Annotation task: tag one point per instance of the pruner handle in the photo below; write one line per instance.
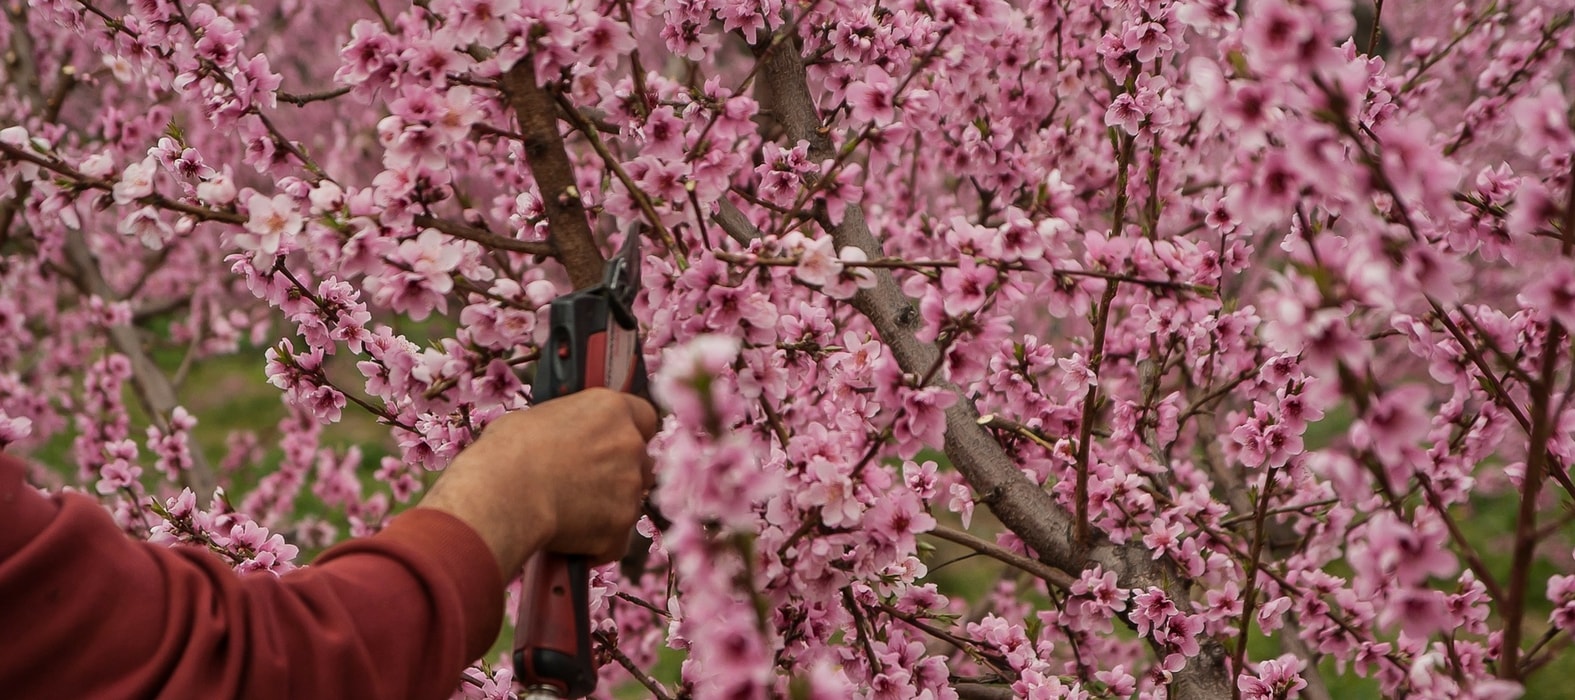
(552, 641)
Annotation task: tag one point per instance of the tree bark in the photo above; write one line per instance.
(154, 390)
(569, 229)
(1020, 504)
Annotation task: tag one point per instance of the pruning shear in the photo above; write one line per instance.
(594, 341)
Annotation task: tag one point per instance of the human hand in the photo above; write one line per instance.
(567, 476)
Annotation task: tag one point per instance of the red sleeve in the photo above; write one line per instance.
(87, 612)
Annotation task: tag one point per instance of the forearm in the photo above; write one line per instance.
(512, 528)
(87, 612)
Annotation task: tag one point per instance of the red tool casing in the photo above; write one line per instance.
(593, 342)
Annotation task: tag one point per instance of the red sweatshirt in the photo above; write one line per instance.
(86, 612)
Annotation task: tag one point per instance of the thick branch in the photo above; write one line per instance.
(1019, 503)
(570, 231)
(983, 691)
(19, 60)
(735, 223)
(154, 390)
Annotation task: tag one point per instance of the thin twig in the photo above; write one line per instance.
(966, 646)
(1249, 597)
(1473, 560)
(1378, 27)
(930, 263)
(641, 199)
(485, 237)
(1050, 574)
(302, 100)
(657, 689)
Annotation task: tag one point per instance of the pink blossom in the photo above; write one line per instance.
(180, 161)
(1270, 614)
(148, 226)
(923, 419)
(220, 40)
(15, 136)
(1146, 40)
(1553, 293)
(1276, 34)
(368, 56)
(1104, 596)
(921, 478)
(1124, 112)
(219, 190)
(1118, 680)
(840, 189)
(897, 518)
(1076, 374)
(1151, 609)
(873, 99)
(832, 492)
(1407, 554)
(136, 181)
(818, 264)
(497, 686)
(1542, 118)
(664, 133)
(482, 20)
(98, 165)
(326, 197)
(1274, 679)
(608, 40)
(424, 278)
(684, 371)
(961, 502)
(1561, 591)
(1394, 423)
(1162, 537)
(117, 474)
(14, 429)
(852, 277)
(1419, 613)
(272, 224)
(326, 403)
(966, 287)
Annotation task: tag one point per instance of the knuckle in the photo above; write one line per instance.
(630, 439)
(601, 397)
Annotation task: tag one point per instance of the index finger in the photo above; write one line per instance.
(644, 415)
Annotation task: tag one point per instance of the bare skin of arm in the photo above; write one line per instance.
(88, 612)
(566, 476)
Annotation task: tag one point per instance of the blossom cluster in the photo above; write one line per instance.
(1233, 318)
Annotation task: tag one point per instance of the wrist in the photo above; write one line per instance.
(512, 528)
